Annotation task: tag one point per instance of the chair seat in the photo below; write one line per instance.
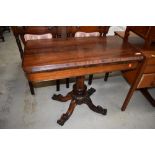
(84, 34)
(37, 37)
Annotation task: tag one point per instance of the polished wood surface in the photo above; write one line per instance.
(72, 30)
(146, 73)
(80, 71)
(77, 57)
(58, 54)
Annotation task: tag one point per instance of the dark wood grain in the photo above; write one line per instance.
(80, 71)
(72, 30)
(58, 54)
(76, 57)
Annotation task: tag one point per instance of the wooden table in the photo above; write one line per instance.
(76, 57)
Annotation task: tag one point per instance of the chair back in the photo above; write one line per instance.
(25, 33)
(86, 31)
(37, 32)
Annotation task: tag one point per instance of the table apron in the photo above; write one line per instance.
(74, 72)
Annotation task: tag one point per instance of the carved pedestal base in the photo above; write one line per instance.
(79, 95)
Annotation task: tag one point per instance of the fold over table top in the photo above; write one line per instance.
(58, 54)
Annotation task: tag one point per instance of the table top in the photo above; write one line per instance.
(60, 54)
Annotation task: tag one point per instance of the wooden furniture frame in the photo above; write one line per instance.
(103, 30)
(77, 57)
(143, 77)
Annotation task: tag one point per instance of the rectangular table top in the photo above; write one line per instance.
(59, 54)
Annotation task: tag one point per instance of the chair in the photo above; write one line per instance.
(26, 33)
(87, 31)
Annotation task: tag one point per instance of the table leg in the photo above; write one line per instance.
(69, 112)
(62, 98)
(94, 108)
(79, 95)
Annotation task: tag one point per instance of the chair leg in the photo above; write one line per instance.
(58, 85)
(90, 79)
(106, 76)
(31, 88)
(19, 47)
(67, 82)
(148, 96)
(3, 39)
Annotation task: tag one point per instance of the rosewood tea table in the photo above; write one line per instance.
(76, 57)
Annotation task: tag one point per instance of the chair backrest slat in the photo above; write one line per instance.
(71, 30)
